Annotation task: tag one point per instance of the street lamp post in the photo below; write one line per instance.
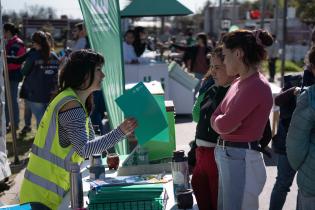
(284, 38)
(220, 11)
(276, 16)
(8, 91)
(262, 14)
(234, 12)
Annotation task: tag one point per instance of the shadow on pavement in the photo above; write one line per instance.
(183, 118)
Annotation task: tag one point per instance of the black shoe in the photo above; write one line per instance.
(8, 129)
(25, 130)
(6, 184)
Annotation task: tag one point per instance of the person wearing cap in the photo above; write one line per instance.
(79, 37)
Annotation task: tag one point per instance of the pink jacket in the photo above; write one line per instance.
(244, 112)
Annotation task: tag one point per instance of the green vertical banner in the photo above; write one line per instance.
(102, 21)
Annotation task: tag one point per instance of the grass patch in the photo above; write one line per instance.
(289, 66)
(23, 144)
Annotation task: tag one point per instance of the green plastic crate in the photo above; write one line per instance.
(163, 149)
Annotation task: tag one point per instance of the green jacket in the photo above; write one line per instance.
(301, 141)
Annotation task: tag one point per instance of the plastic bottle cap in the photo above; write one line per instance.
(74, 167)
(178, 155)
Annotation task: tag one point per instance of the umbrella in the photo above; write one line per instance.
(233, 28)
(145, 8)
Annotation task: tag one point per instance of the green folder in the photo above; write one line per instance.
(139, 103)
(162, 136)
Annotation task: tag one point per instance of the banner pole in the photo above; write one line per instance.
(8, 92)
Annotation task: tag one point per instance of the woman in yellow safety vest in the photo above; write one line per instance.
(65, 134)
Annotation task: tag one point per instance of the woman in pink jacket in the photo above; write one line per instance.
(240, 120)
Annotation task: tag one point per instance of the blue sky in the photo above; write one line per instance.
(71, 7)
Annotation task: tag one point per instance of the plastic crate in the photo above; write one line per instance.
(182, 77)
(154, 204)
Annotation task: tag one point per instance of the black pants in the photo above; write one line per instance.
(272, 67)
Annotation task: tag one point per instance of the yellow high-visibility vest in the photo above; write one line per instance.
(47, 176)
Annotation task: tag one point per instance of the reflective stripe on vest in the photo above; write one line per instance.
(48, 185)
(62, 163)
(44, 186)
(45, 153)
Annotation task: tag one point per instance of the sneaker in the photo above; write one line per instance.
(6, 184)
(25, 130)
(8, 129)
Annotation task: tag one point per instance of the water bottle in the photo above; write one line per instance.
(76, 188)
(180, 172)
(97, 169)
(143, 156)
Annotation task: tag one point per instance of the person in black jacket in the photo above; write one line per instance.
(141, 42)
(205, 173)
(195, 57)
(41, 74)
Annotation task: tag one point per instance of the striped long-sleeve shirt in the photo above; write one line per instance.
(72, 131)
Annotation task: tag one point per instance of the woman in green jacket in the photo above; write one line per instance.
(301, 143)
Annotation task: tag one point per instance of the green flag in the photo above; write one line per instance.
(102, 21)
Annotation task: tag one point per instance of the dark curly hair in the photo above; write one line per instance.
(78, 67)
(252, 43)
(203, 38)
(311, 56)
(40, 38)
(218, 52)
(10, 27)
